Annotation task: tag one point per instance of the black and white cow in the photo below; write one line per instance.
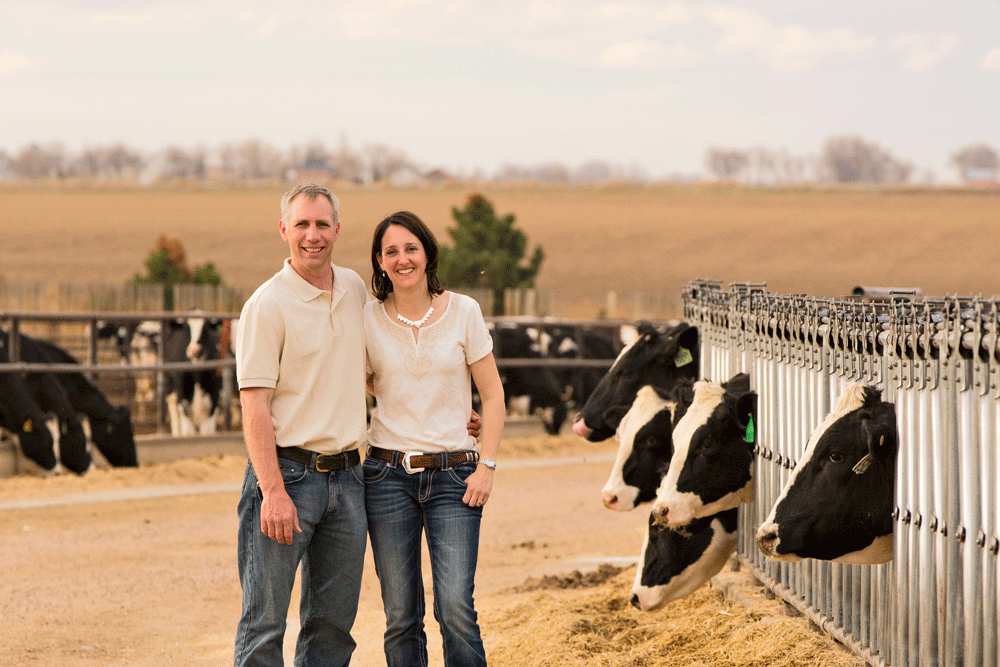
(654, 357)
(110, 426)
(538, 384)
(21, 416)
(51, 398)
(711, 469)
(837, 503)
(645, 445)
(192, 396)
(572, 342)
(673, 565)
(137, 344)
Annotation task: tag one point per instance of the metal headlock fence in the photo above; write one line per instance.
(936, 602)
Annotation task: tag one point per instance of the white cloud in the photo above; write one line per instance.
(644, 54)
(923, 50)
(789, 49)
(12, 63)
(992, 60)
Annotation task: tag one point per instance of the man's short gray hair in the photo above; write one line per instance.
(312, 192)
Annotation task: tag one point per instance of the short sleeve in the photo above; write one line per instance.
(259, 341)
(478, 342)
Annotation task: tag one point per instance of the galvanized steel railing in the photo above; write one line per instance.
(936, 603)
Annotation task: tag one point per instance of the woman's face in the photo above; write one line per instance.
(403, 258)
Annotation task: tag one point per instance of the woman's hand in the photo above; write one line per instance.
(480, 484)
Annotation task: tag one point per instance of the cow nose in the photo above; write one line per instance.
(766, 540)
(661, 515)
(581, 429)
(610, 501)
(636, 603)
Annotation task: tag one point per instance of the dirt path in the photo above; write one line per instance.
(115, 579)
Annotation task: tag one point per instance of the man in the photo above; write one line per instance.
(301, 369)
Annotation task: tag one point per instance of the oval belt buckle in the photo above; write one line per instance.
(406, 464)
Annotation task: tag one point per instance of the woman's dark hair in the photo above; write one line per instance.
(381, 285)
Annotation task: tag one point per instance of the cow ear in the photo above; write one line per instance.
(613, 416)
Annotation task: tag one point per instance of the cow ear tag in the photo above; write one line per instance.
(683, 357)
(27, 426)
(861, 466)
(750, 432)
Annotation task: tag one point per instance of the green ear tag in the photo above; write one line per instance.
(683, 357)
(750, 433)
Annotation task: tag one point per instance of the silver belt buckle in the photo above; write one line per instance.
(406, 464)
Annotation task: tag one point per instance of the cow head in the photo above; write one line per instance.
(36, 442)
(837, 503)
(114, 437)
(711, 469)
(203, 338)
(673, 565)
(644, 433)
(655, 357)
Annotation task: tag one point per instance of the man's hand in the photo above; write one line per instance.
(278, 517)
(475, 425)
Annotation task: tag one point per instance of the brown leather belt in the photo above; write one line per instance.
(412, 462)
(321, 462)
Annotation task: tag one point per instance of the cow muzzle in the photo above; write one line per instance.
(581, 429)
(665, 517)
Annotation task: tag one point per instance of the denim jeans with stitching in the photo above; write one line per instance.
(331, 549)
(400, 507)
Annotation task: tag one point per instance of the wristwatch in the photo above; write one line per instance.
(489, 463)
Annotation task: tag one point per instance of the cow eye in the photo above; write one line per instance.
(836, 457)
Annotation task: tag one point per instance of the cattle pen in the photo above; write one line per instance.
(936, 602)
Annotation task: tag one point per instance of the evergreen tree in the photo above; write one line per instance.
(488, 252)
(167, 266)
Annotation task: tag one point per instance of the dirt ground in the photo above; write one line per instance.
(138, 567)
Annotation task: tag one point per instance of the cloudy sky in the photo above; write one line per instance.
(467, 84)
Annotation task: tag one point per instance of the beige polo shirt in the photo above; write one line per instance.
(309, 346)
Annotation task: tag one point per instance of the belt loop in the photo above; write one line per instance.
(444, 460)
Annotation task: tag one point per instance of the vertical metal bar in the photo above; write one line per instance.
(955, 380)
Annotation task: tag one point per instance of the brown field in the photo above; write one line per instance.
(110, 579)
(625, 239)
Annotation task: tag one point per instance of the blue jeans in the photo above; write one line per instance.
(331, 548)
(400, 507)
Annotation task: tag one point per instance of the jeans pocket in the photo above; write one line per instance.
(291, 472)
(358, 473)
(374, 470)
(461, 472)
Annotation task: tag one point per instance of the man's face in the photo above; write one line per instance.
(310, 231)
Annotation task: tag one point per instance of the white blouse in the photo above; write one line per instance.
(423, 388)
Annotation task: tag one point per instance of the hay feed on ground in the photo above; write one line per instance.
(570, 626)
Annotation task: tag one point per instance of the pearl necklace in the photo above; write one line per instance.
(419, 323)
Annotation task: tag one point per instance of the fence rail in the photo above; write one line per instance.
(936, 602)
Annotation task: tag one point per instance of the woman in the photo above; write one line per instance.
(424, 472)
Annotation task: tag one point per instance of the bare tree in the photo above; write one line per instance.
(851, 159)
(552, 172)
(383, 161)
(253, 159)
(349, 165)
(120, 161)
(976, 162)
(726, 165)
(36, 162)
(593, 172)
(180, 163)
